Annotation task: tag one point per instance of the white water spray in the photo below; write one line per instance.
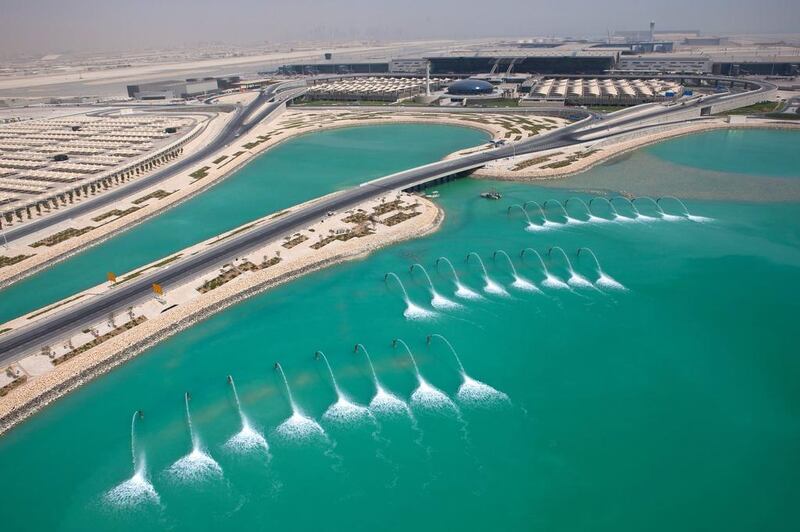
(568, 219)
(461, 290)
(197, 465)
(686, 213)
(575, 279)
(615, 215)
(490, 287)
(530, 225)
(637, 216)
(426, 396)
(519, 282)
(413, 311)
(298, 426)
(550, 280)
(591, 218)
(137, 489)
(603, 279)
(384, 402)
(437, 300)
(546, 224)
(247, 439)
(472, 392)
(343, 410)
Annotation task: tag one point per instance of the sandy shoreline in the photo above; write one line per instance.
(26, 400)
(608, 152)
(46, 257)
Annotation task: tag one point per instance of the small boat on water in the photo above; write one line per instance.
(493, 195)
(432, 194)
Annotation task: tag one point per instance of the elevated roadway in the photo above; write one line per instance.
(31, 337)
(244, 120)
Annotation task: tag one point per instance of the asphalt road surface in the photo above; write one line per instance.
(46, 330)
(229, 133)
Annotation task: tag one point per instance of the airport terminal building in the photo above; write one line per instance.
(175, 89)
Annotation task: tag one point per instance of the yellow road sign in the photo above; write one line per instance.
(157, 289)
(112, 277)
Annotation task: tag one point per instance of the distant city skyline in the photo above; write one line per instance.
(47, 26)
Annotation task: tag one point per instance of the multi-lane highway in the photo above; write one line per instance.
(244, 119)
(44, 331)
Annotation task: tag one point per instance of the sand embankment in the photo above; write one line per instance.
(585, 156)
(25, 400)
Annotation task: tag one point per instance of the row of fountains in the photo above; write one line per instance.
(574, 280)
(629, 211)
(198, 464)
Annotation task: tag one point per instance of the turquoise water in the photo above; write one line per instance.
(293, 172)
(734, 151)
(671, 405)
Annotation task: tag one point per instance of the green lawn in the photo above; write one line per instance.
(756, 108)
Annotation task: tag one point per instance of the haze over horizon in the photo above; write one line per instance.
(47, 26)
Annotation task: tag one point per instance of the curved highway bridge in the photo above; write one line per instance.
(43, 331)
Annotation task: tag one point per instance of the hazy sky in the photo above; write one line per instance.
(40, 26)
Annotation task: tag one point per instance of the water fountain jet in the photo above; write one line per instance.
(343, 410)
(461, 290)
(426, 396)
(550, 280)
(490, 286)
(546, 224)
(413, 311)
(603, 279)
(615, 215)
(197, 465)
(591, 217)
(636, 214)
(471, 391)
(383, 402)
(247, 439)
(531, 226)
(519, 282)
(138, 488)
(575, 279)
(645, 217)
(437, 300)
(298, 426)
(686, 213)
(569, 219)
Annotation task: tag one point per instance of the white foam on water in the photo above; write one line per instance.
(620, 218)
(605, 281)
(579, 280)
(299, 427)
(465, 293)
(344, 411)
(477, 393)
(551, 281)
(247, 440)
(597, 219)
(195, 467)
(671, 217)
(533, 228)
(440, 302)
(698, 219)
(524, 284)
(415, 312)
(575, 221)
(428, 397)
(492, 287)
(388, 404)
(646, 219)
(134, 491)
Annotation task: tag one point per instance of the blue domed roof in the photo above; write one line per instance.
(470, 87)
